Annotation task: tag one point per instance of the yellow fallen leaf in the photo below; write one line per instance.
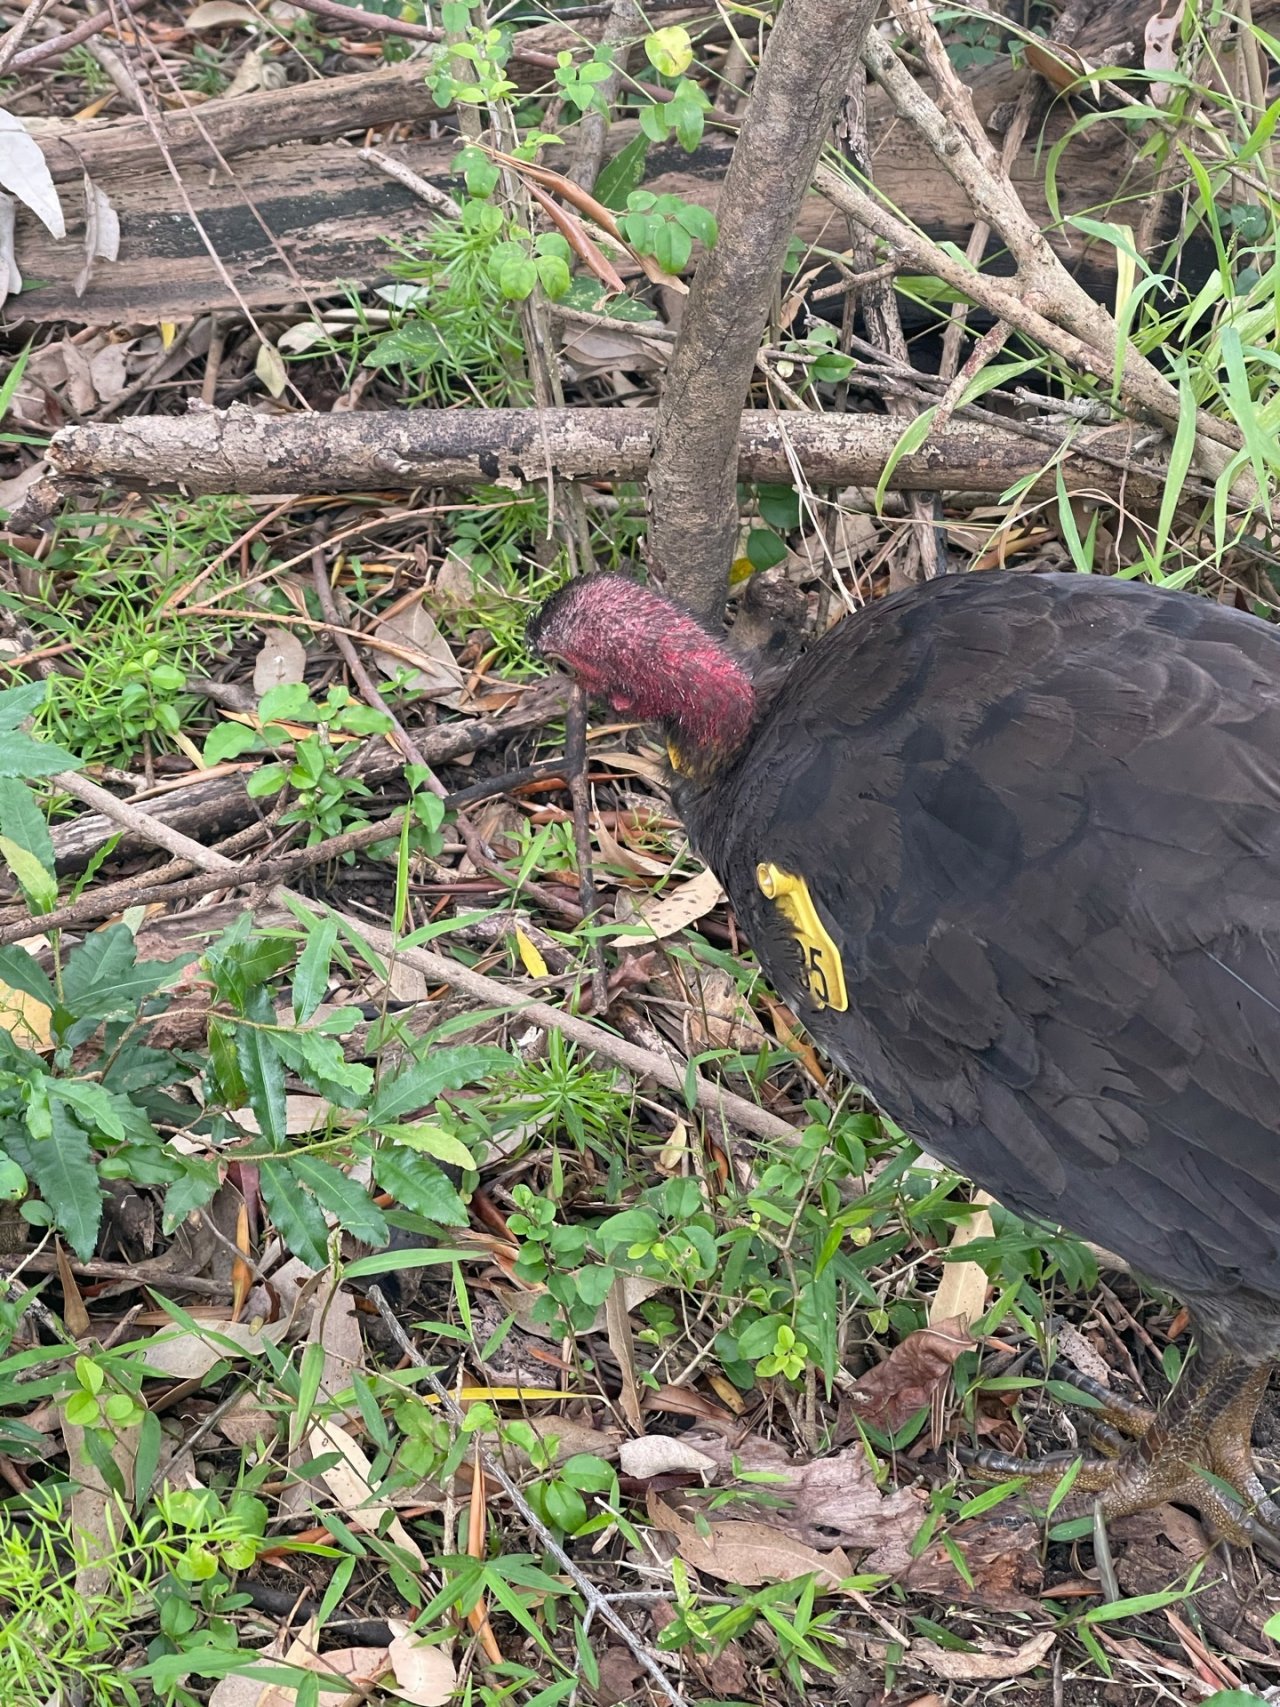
(530, 958)
(25, 1018)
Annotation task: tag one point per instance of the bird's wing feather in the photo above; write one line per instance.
(1040, 816)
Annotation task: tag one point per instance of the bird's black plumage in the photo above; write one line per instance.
(1039, 816)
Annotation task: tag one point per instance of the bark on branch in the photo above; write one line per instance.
(692, 497)
(237, 450)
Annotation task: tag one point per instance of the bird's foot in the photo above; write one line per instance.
(1194, 1451)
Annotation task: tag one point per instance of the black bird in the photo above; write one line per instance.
(1009, 844)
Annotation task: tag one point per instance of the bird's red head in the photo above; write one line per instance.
(649, 659)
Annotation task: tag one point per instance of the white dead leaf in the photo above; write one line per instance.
(282, 661)
(348, 1482)
(109, 371)
(962, 1290)
(101, 232)
(10, 277)
(659, 1454)
(425, 1672)
(188, 1355)
(434, 672)
(1160, 50)
(216, 14)
(270, 369)
(296, 339)
(989, 1665)
(24, 173)
(682, 906)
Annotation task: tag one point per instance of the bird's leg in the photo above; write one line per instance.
(1200, 1438)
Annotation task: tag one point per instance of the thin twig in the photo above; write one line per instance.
(598, 1605)
(13, 39)
(645, 1063)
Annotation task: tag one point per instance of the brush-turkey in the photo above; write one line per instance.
(1009, 844)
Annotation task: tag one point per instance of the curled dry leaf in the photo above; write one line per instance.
(989, 1665)
(101, 232)
(1001, 1554)
(962, 1289)
(826, 1500)
(24, 173)
(890, 1394)
(10, 277)
(216, 14)
(661, 1455)
(270, 369)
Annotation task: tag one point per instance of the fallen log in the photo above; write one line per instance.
(237, 450)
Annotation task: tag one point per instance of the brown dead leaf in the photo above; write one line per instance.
(620, 1673)
(1002, 1554)
(747, 1553)
(434, 672)
(661, 1455)
(989, 1665)
(890, 1394)
(833, 1500)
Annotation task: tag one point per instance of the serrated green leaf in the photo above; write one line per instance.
(419, 1085)
(295, 1214)
(419, 1184)
(196, 1187)
(343, 1198)
(63, 1168)
(320, 1061)
(311, 979)
(96, 1107)
(262, 1067)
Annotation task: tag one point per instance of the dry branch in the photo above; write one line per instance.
(236, 450)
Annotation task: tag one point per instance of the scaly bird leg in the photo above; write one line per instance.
(1204, 1429)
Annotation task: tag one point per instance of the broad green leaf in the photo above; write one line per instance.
(294, 1213)
(228, 741)
(22, 756)
(343, 1198)
(20, 971)
(196, 1187)
(311, 979)
(669, 50)
(622, 174)
(19, 703)
(419, 1085)
(419, 1185)
(38, 885)
(104, 975)
(63, 1167)
(22, 821)
(432, 1141)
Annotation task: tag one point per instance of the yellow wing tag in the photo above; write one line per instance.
(821, 959)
